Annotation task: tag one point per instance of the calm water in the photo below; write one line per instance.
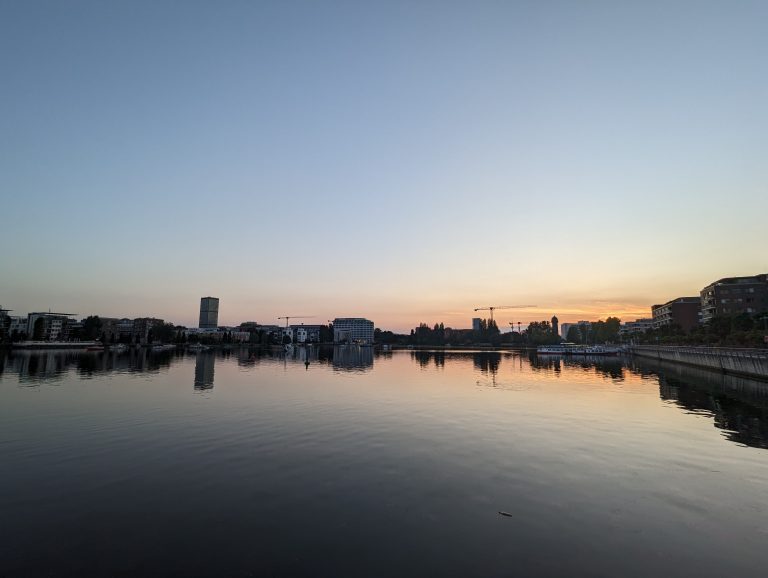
(355, 464)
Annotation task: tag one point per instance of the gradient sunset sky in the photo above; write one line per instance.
(402, 161)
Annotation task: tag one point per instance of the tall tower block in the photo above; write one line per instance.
(209, 313)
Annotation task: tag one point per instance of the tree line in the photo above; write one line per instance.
(741, 330)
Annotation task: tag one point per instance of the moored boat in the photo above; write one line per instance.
(551, 350)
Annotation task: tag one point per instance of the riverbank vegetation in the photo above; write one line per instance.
(743, 330)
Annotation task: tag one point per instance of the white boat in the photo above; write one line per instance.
(166, 347)
(596, 350)
(551, 350)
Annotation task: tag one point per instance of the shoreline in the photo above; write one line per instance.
(752, 362)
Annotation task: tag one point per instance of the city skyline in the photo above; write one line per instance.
(529, 313)
(404, 163)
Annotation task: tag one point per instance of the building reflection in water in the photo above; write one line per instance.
(340, 357)
(352, 357)
(38, 366)
(606, 366)
(205, 363)
(738, 405)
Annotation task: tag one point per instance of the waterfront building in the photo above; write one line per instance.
(734, 295)
(142, 326)
(683, 311)
(125, 329)
(18, 325)
(271, 329)
(117, 330)
(555, 328)
(305, 333)
(352, 330)
(475, 324)
(5, 323)
(42, 326)
(109, 328)
(218, 334)
(253, 327)
(636, 326)
(209, 313)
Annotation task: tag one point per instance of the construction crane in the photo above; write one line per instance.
(492, 308)
(289, 317)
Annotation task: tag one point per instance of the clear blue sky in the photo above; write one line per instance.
(402, 161)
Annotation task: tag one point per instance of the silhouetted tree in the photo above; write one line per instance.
(38, 329)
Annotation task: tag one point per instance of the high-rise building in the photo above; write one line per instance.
(209, 313)
(555, 327)
(734, 295)
(352, 330)
(475, 324)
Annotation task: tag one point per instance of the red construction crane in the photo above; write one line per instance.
(491, 308)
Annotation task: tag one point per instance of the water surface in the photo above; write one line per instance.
(349, 463)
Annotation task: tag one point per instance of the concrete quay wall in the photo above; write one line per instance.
(747, 362)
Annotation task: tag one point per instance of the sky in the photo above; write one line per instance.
(401, 161)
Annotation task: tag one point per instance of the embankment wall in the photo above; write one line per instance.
(747, 362)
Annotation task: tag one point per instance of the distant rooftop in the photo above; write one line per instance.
(52, 313)
(745, 279)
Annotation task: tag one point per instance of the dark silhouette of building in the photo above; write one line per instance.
(683, 311)
(555, 325)
(209, 313)
(734, 295)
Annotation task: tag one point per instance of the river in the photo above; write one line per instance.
(347, 462)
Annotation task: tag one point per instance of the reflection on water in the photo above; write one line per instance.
(204, 369)
(352, 358)
(612, 367)
(51, 365)
(738, 406)
(346, 462)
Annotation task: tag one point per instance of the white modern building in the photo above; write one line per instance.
(48, 326)
(353, 330)
(305, 333)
